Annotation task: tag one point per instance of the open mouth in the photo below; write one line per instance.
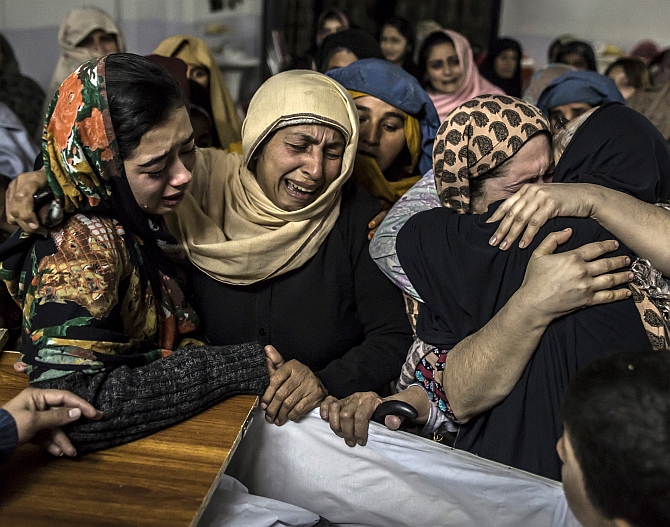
(297, 191)
(173, 200)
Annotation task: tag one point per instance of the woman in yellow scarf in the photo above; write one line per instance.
(398, 125)
(203, 69)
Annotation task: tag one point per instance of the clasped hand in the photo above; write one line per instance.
(349, 418)
(294, 389)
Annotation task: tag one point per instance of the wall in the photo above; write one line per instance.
(620, 22)
(31, 26)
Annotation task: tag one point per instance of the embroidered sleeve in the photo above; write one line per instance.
(428, 371)
(82, 306)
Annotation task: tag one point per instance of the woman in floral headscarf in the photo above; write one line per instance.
(103, 309)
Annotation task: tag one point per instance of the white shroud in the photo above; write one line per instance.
(397, 479)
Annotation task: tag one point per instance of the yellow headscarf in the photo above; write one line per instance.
(368, 175)
(228, 226)
(195, 52)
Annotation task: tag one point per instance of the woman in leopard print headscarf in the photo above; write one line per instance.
(485, 150)
(475, 139)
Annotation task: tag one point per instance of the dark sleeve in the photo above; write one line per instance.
(378, 359)
(137, 402)
(9, 435)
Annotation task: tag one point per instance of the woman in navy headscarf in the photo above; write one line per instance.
(398, 123)
(575, 93)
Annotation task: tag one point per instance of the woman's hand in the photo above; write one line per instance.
(376, 222)
(19, 204)
(349, 418)
(36, 410)
(557, 284)
(534, 205)
(294, 389)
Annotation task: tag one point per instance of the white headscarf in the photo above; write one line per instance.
(74, 28)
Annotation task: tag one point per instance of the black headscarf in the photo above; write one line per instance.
(619, 148)
(581, 48)
(464, 282)
(509, 86)
(359, 42)
(21, 94)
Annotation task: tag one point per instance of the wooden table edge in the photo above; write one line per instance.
(224, 466)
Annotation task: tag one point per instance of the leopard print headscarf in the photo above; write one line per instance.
(476, 137)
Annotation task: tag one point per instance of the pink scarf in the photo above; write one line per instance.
(473, 83)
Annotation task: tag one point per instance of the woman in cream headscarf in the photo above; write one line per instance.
(202, 68)
(278, 236)
(85, 33)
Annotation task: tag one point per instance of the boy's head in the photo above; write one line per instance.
(616, 444)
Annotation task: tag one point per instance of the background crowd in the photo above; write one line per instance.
(348, 241)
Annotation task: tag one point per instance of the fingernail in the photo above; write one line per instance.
(361, 442)
(369, 236)
(371, 225)
(628, 293)
(33, 226)
(277, 422)
(631, 277)
(268, 419)
(616, 243)
(567, 229)
(324, 415)
(503, 245)
(627, 260)
(74, 413)
(522, 244)
(351, 443)
(264, 406)
(493, 240)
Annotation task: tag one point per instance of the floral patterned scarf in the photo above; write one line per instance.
(86, 174)
(85, 170)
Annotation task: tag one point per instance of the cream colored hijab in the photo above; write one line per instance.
(227, 225)
(74, 28)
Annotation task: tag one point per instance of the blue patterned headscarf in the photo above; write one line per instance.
(579, 86)
(394, 86)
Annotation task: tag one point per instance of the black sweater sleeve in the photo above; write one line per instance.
(378, 359)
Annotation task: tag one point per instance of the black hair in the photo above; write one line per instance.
(405, 29)
(617, 415)
(581, 48)
(141, 94)
(359, 42)
(635, 70)
(431, 40)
